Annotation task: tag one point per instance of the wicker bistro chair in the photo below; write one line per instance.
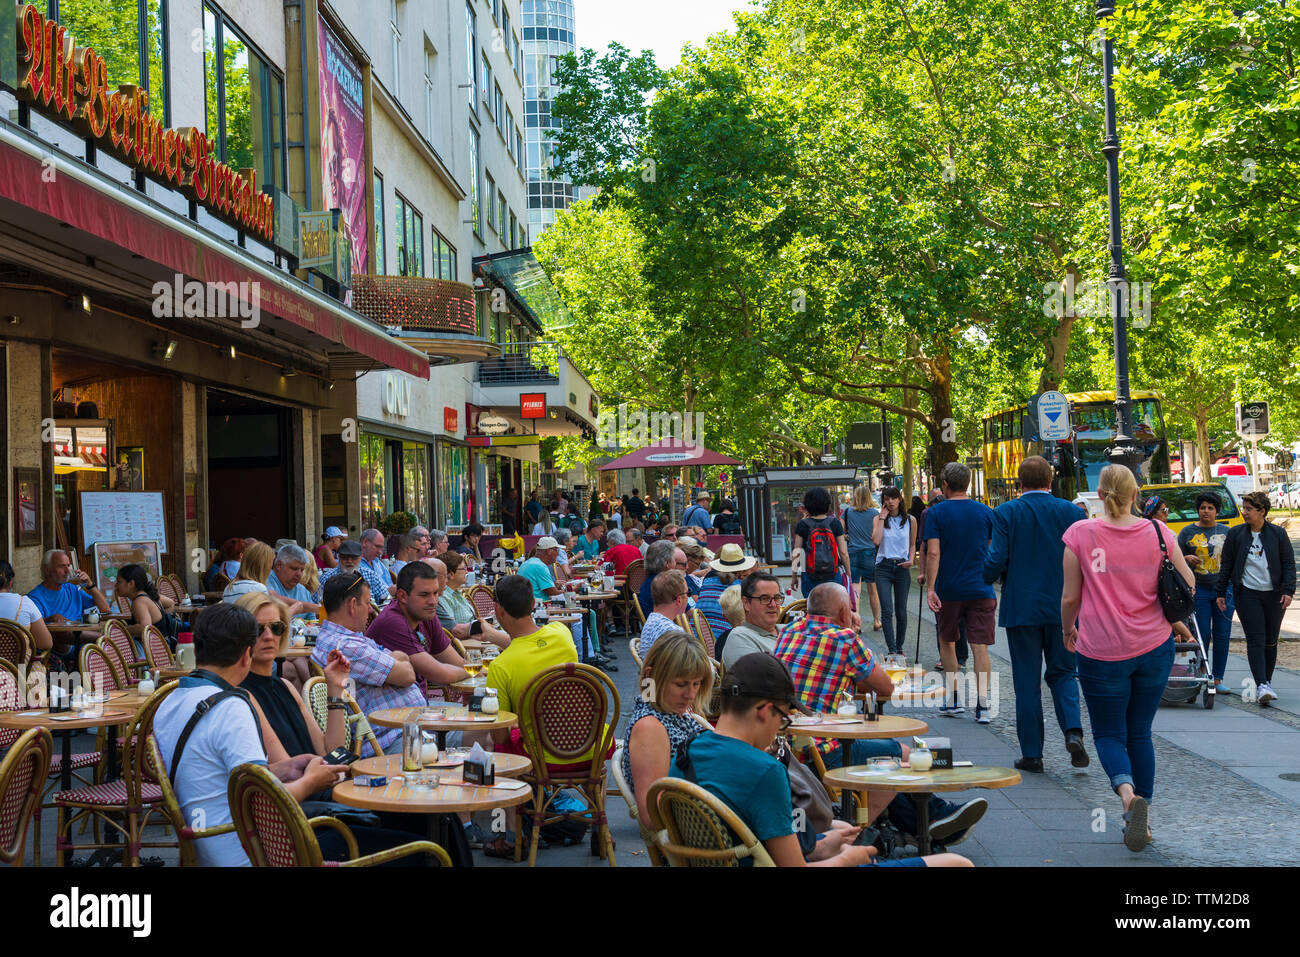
(702, 630)
(792, 609)
(634, 578)
(276, 833)
(481, 597)
(133, 798)
(16, 644)
(633, 645)
(122, 604)
(23, 771)
(171, 806)
(565, 714)
(629, 797)
(695, 829)
(316, 694)
(122, 653)
(167, 588)
(714, 708)
(156, 651)
(640, 613)
(181, 591)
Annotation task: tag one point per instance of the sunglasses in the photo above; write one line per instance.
(277, 628)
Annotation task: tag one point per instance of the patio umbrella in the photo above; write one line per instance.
(668, 452)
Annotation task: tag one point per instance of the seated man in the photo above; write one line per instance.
(372, 557)
(537, 571)
(669, 590)
(384, 679)
(285, 579)
(64, 595)
(587, 545)
(732, 763)
(408, 550)
(760, 593)
(827, 659)
(471, 535)
(350, 560)
(410, 625)
(619, 551)
(659, 557)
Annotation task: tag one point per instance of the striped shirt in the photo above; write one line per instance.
(825, 660)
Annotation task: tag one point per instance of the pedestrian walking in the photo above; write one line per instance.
(957, 534)
(893, 532)
(1121, 638)
(820, 547)
(963, 647)
(1202, 545)
(859, 525)
(1259, 564)
(1026, 554)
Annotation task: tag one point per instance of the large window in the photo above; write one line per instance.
(379, 224)
(490, 195)
(475, 204)
(245, 102)
(408, 226)
(444, 257)
(113, 30)
(498, 108)
(394, 478)
(453, 484)
(487, 83)
(394, 28)
(471, 49)
(430, 114)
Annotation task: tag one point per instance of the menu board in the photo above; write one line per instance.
(122, 517)
(111, 556)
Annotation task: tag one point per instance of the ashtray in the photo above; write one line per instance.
(806, 721)
(421, 780)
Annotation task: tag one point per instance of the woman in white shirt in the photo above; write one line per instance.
(20, 608)
(893, 532)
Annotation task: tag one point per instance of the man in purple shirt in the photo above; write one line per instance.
(410, 625)
(383, 679)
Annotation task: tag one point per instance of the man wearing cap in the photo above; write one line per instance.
(350, 561)
(730, 566)
(537, 571)
(698, 514)
(327, 552)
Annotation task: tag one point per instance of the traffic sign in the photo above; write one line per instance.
(1252, 419)
(1053, 417)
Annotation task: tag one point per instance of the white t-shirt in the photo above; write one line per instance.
(224, 739)
(19, 608)
(1255, 575)
(655, 626)
(244, 586)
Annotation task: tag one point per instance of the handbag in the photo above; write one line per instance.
(1177, 600)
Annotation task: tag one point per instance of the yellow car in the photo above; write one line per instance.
(1181, 499)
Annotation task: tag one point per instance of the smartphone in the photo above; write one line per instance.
(476, 628)
(341, 755)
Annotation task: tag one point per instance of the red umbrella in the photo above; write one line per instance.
(668, 452)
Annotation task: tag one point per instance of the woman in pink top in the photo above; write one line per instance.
(1122, 642)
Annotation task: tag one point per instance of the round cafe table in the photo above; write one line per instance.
(440, 805)
(846, 732)
(924, 787)
(507, 765)
(301, 651)
(431, 721)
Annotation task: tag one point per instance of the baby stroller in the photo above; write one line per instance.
(1190, 676)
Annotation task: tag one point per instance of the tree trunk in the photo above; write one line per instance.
(909, 426)
(1201, 417)
(1057, 345)
(943, 430)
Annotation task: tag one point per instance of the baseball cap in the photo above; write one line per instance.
(335, 532)
(761, 675)
(546, 542)
(349, 549)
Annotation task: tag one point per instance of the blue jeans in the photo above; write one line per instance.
(863, 563)
(892, 585)
(1215, 626)
(1030, 646)
(864, 751)
(1123, 697)
(807, 583)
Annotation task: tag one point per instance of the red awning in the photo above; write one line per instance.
(668, 452)
(95, 211)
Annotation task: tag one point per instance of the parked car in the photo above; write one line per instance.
(1181, 499)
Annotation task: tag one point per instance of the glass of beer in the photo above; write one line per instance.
(895, 667)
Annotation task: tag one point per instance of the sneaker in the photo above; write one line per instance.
(1266, 694)
(982, 715)
(954, 827)
(476, 836)
(1221, 687)
(952, 710)
(503, 848)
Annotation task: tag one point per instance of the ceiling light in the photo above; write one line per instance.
(233, 354)
(290, 372)
(85, 303)
(165, 350)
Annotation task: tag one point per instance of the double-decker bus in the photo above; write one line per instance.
(1009, 436)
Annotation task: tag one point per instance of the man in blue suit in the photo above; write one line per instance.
(1026, 554)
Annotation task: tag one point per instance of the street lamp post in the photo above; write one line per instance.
(1124, 451)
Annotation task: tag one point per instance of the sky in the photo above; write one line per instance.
(659, 25)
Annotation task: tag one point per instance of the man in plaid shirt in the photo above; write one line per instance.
(827, 657)
(384, 679)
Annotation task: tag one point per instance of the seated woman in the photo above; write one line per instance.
(254, 569)
(227, 563)
(147, 607)
(15, 606)
(327, 552)
(288, 727)
(456, 613)
(679, 679)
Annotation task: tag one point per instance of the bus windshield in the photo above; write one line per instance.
(1094, 430)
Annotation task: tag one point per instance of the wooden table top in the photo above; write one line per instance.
(213, 595)
(860, 778)
(565, 618)
(444, 799)
(595, 595)
(170, 674)
(30, 718)
(68, 627)
(300, 652)
(187, 609)
(887, 726)
(396, 717)
(507, 765)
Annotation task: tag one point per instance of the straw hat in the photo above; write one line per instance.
(732, 559)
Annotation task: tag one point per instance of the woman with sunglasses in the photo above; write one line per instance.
(288, 727)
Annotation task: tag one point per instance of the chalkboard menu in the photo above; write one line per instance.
(123, 517)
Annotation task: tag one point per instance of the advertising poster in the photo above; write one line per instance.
(343, 142)
(112, 556)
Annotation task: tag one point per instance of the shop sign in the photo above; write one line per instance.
(397, 395)
(72, 82)
(493, 424)
(532, 405)
(325, 246)
(450, 421)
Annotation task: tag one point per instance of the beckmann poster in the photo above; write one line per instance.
(343, 142)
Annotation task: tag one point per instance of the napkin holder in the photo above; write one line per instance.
(476, 699)
(940, 751)
(478, 772)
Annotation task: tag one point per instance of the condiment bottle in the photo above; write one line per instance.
(146, 686)
(491, 705)
(412, 745)
(185, 651)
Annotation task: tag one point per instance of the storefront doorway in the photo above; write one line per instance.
(250, 468)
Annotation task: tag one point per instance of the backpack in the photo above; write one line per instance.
(822, 551)
(725, 524)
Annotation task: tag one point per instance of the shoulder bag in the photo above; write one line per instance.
(1177, 600)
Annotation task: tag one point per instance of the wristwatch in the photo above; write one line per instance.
(337, 704)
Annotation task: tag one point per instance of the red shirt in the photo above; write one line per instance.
(391, 630)
(622, 556)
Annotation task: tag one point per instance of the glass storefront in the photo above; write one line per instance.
(453, 485)
(394, 478)
(113, 31)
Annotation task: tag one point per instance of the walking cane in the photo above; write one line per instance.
(920, 606)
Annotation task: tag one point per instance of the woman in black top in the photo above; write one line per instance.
(817, 503)
(1259, 562)
(288, 726)
(147, 608)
